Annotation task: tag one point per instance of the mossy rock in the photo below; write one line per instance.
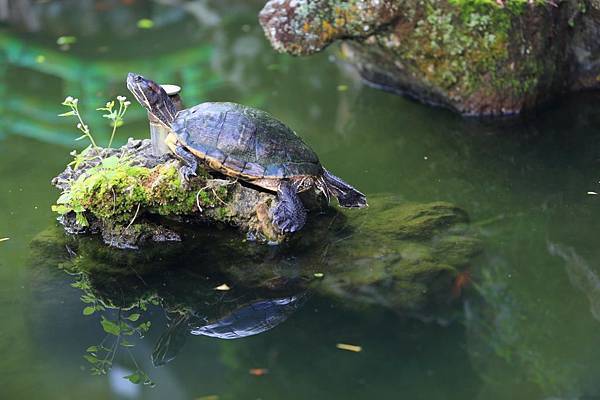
(131, 197)
(352, 258)
(475, 57)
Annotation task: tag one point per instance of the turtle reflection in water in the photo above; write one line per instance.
(245, 143)
(251, 319)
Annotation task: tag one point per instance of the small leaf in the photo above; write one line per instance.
(78, 208)
(61, 209)
(223, 287)
(145, 23)
(87, 298)
(92, 349)
(81, 219)
(88, 310)
(318, 275)
(133, 317)
(342, 88)
(4, 239)
(125, 343)
(64, 198)
(81, 137)
(67, 114)
(134, 378)
(110, 327)
(110, 162)
(349, 347)
(91, 359)
(258, 371)
(66, 40)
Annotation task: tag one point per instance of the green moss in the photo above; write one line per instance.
(116, 190)
(456, 45)
(415, 220)
(469, 47)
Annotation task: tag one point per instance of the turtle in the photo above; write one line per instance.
(245, 143)
(248, 319)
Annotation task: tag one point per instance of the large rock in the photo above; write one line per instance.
(131, 197)
(402, 256)
(476, 58)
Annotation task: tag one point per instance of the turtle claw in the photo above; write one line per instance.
(188, 169)
(289, 214)
(186, 173)
(283, 225)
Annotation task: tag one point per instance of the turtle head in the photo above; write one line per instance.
(152, 97)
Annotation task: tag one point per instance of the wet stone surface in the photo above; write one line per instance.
(131, 197)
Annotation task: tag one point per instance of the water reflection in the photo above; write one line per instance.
(402, 256)
(249, 319)
(581, 274)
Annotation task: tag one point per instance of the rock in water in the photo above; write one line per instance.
(401, 256)
(131, 196)
(477, 58)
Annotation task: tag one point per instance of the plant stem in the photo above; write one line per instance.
(115, 123)
(84, 129)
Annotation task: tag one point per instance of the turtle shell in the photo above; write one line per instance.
(252, 319)
(244, 141)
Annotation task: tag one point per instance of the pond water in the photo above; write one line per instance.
(527, 326)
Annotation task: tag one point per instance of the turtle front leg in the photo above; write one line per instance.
(289, 214)
(190, 164)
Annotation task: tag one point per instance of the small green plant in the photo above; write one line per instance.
(72, 103)
(115, 115)
(102, 182)
(126, 325)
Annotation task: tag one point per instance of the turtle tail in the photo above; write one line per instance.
(346, 195)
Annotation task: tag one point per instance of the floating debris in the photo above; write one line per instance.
(65, 42)
(145, 23)
(211, 397)
(258, 371)
(593, 193)
(462, 280)
(223, 287)
(349, 347)
(318, 275)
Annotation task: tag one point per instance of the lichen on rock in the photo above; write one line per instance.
(475, 57)
(306, 27)
(131, 196)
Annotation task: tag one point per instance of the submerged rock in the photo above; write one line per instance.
(131, 197)
(477, 58)
(402, 256)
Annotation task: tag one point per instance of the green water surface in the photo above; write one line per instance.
(527, 328)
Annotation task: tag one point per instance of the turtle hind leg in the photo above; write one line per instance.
(289, 214)
(347, 196)
(190, 164)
